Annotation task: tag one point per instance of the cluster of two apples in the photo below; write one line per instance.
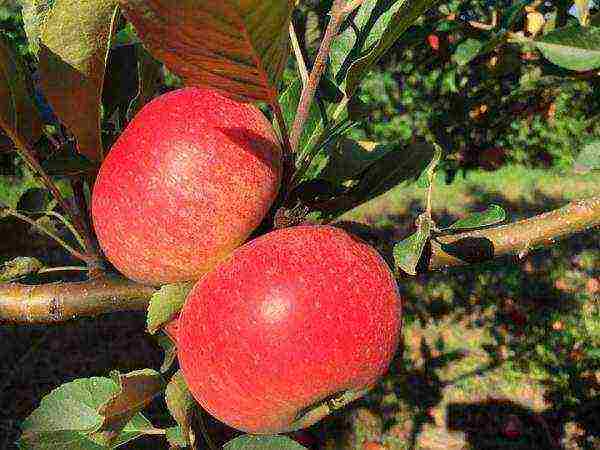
(274, 328)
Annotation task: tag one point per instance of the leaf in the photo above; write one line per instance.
(175, 437)
(120, 82)
(181, 404)
(428, 174)
(67, 163)
(165, 304)
(572, 47)
(73, 55)
(169, 352)
(149, 73)
(68, 413)
(492, 215)
(249, 442)
(288, 101)
(136, 390)
(467, 51)
(368, 34)
(19, 117)
(239, 48)
(58, 440)
(19, 267)
(35, 200)
(34, 14)
(135, 428)
(348, 158)
(589, 157)
(408, 252)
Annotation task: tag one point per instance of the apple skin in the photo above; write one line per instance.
(188, 180)
(288, 320)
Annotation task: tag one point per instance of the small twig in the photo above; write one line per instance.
(90, 256)
(63, 269)
(302, 70)
(50, 234)
(308, 93)
(60, 302)
(538, 231)
(67, 224)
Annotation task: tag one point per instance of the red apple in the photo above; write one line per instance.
(189, 179)
(271, 338)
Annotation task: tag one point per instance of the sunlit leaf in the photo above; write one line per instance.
(165, 304)
(368, 34)
(238, 47)
(572, 47)
(34, 13)
(181, 404)
(589, 157)
(248, 442)
(73, 55)
(467, 51)
(19, 267)
(169, 352)
(408, 252)
(492, 215)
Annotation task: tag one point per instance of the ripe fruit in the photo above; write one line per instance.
(187, 182)
(270, 338)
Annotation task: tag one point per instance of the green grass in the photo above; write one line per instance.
(488, 343)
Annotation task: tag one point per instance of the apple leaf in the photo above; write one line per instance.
(239, 48)
(169, 352)
(572, 47)
(368, 34)
(19, 267)
(67, 163)
(136, 390)
(34, 13)
(19, 117)
(176, 438)
(288, 100)
(181, 405)
(492, 215)
(250, 442)
(68, 414)
(408, 252)
(149, 73)
(589, 157)
(467, 51)
(135, 428)
(35, 201)
(165, 304)
(74, 47)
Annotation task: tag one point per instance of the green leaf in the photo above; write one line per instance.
(165, 304)
(19, 117)
(492, 215)
(250, 442)
(58, 440)
(408, 252)
(181, 404)
(589, 157)
(467, 51)
(135, 428)
(176, 437)
(169, 352)
(136, 390)
(68, 414)
(237, 47)
(368, 34)
(428, 174)
(572, 47)
(288, 100)
(74, 49)
(34, 14)
(19, 267)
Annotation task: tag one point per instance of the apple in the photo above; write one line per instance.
(188, 180)
(292, 325)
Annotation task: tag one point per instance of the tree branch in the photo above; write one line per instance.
(517, 238)
(337, 14)
(59, 302)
